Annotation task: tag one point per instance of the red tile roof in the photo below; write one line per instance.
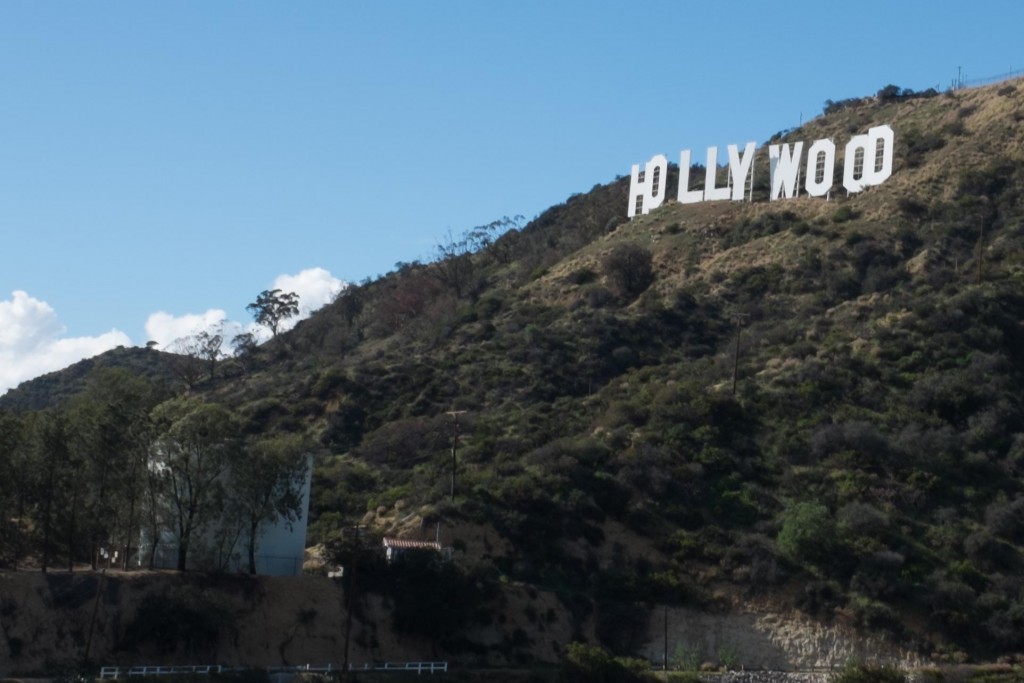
(404, 544)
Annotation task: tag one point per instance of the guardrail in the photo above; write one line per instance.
(116, 672)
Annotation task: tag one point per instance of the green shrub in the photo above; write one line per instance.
(685, 677)
(844, 214)
(919, 144)
(859, 672)
(808, 533)
(997, 673)
(685, 658)
(582, 276)
(592, 664)
(728, 656)
(628, 268)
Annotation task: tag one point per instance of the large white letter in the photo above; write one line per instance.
(821, 155)
(647, 192)
(784, 166)
(686, 195)
(739, 168)
(874, 168)
(711, 193)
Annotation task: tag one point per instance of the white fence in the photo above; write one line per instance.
(418, 667)
(115, 672)
(118, 671)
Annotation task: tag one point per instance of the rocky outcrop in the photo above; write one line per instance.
(764, 641)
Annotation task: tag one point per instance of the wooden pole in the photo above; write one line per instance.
(455, 440)
(350, 597)
(736, 359)
(664, 660)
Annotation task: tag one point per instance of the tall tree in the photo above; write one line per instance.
(186, 362)
(496, 238)
(196, 447)
(55, 485)
(13, 488)
(272, 307)
(208, 344)
(196, 354)
(155, 513)
(267, 485)
(453, 264)
(244, 345)
(112, 429)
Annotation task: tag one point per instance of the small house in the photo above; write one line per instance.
(394, 547)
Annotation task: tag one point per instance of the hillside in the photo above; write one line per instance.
(53, 388)
(800, 405)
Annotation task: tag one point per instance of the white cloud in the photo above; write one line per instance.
(31, 343)
(316, 287)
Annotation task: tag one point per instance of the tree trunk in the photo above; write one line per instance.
(48, 502)
(152, 551)
(19, 545)
(253, 528)
(182, 555)
(72, 524)
(128, 534)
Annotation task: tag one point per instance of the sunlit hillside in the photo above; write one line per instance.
(807, 404)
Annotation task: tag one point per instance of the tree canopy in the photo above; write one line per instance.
(272, 307)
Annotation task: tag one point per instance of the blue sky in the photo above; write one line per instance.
(181, 157)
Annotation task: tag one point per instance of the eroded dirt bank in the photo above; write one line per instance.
(55, 620)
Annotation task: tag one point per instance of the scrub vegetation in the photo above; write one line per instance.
(814, 404)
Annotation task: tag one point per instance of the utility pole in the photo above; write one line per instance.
(95, 611)
(664, 656)
(455, 441)
(350, 591)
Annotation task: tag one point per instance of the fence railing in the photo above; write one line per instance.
(119, 671)
(975, 82)
(418, 667)
(116, 672)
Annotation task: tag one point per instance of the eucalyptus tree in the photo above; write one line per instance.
(196, 446)
(186, 361)
(272, 307)
(453, 264)
(55, 486)
(13, 487)
(267, 485)
(112, 431)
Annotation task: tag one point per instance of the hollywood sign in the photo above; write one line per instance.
(647, 187)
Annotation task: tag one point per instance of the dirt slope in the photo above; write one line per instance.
(52, 621)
